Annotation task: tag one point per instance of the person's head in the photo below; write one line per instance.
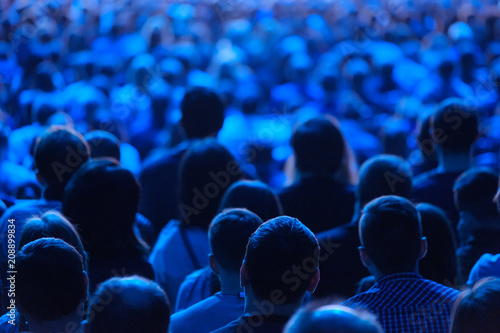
(318, 146)
(58, 154)
(454, 126)
(206, 171)
(384, 175)
(102, 201)
(281, 261)
(391, 236)
(477, 310)
(255, 196)
(128, 305)
(333, 319)
(440, 262)
(51, 283)
(474, 191)
(52, 224)
(228, 237)
(202, 113)
(103, 144)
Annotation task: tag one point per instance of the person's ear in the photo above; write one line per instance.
(365, 259)
(314, 282)
(85, 327)
(39, 179)
(213, 265)
(244, 280)
(85, 286)
(423, 248)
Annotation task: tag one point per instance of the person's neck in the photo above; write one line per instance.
(450, 161)
(256, 306)
(71, 322)
(230, 283)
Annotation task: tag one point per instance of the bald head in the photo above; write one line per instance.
(333, 319)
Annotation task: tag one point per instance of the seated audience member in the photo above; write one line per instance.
(255, 196)
(477, 310)
(479, 226)
(280, 266)
(101, 200)
(128, 305)
(341, 269)
(202, 117)
(454, 130)
(103, 144)
(51, 286)
(391, 246)
(316, 198)
(440, 262)
(333, 319)
(487, 266)
(228, 236)
(207, 170)
(58, 154)
(50, 224)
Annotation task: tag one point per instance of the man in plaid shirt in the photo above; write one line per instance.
(392, 244)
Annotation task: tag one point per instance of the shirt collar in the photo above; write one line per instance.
(399, 276)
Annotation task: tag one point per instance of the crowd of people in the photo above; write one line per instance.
(250, 166)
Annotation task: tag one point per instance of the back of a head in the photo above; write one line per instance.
(477, 310)
(128, 305)
(50, 280)
(229, 233)
(391, 233)
(206, 171)
(333, 319)
(51, 224)
(475, 190)
(58, 154)
(103, 144)
(440, 262)
(455, 126)
(202, 113)
(384, 175)
(102, 200)
(255, 196)
(283, 255)
(318, 146)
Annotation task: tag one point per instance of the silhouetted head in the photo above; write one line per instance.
(272, 252)
(128, 305)
(58, 155)
(391, 235)
(318, 146)
(202, 113)
(384, 175)
(228, 236)
(255, 196)
(50, 282)
(206, 171)
(103, 144)
(474, 192)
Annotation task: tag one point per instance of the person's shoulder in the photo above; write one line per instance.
(441, 292)
(231, 327)
(424, 178)
(342, 232)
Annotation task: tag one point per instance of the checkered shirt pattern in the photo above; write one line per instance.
(406, 302)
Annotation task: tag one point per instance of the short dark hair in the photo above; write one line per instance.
(229, 234)
(129, 305)
(102, 201)
(384, 175)
(103, 144)
(202, 113)
(274, 251)
(391, 233)
(58, 154)
(52, 224)
(253, 195)
(206, 171)
(475, 190)
(50, 280)
(455, 125)
(318, 145)
(477, 310)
